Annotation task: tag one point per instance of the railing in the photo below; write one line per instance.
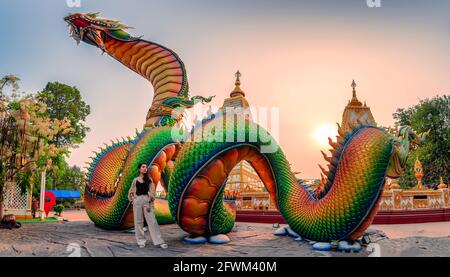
(15, 202)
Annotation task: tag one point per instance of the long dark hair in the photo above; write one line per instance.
(147, 179)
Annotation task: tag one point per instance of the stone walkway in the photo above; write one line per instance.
(62, 239)
(80, 236)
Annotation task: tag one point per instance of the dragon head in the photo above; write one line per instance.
(94, 30)
(404, 140)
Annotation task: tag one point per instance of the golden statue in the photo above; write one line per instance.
(419, 174)
(442, 185)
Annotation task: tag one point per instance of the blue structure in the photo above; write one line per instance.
(61, 194)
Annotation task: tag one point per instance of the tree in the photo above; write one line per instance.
(26, 137)
(70, 178)
(9, 80)
(65, 103)
(431, 115)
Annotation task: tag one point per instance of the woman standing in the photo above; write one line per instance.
(142, 195)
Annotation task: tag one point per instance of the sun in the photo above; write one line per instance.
(323, 132)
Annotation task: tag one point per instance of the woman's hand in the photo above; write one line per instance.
(131, 192)
(152, 198)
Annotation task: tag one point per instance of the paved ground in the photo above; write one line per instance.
(248, 239)
(53, 239)
(395, 231)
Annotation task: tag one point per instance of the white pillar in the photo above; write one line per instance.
(42, 200)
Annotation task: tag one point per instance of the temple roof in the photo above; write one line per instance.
(356, 111)
(237, 96)
(354, 102)
(237, 91)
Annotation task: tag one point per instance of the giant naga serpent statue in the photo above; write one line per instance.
(194, 172)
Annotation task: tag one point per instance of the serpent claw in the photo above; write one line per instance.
(195, 240)
(343, 246)
(287, 231)
(219, 239)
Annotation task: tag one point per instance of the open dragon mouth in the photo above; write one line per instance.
(94, 30)
(81, 25)
(76, 24)
(74, 33)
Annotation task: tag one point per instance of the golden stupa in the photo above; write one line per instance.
(237, 96)
(355, 112)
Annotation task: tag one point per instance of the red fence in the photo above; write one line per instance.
(382, 217)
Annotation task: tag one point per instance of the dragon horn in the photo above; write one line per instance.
(94, 15)
(328, 159)
(340, 130)
(324, 171)
(323, 178)
(333, 152)
(333, 144)
(339, 138)
(424, 135)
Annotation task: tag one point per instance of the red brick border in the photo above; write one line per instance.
(382, 217)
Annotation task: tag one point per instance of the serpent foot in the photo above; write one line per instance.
(346, 246)
(219, 239)
(280, 232)
(322, 246)
(195, 240)
(343, 246)
(287, 231)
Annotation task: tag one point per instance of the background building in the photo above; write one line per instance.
(354, 111)
(243, 179)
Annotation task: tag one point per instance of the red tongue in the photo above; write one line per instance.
(80, 22)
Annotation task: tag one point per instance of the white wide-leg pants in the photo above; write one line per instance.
(142, 208)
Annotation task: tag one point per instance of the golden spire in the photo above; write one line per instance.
(354, 101)
(419, 173)
(237, 90)
(442, 185)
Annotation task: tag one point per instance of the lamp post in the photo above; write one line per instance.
(42, 200)
(43, 181)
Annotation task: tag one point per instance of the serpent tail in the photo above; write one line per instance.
(355, 181)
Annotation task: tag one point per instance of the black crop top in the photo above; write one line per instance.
(142, 188)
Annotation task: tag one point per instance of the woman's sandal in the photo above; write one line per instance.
(163, 246)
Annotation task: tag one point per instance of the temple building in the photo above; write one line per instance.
(249, 191)
(354, 111)
(237, 97)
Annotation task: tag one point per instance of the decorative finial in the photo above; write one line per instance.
(237, 90)
(238, 76)
(442, 185)
(354, 101)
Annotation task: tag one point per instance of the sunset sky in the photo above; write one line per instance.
(299, 56)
